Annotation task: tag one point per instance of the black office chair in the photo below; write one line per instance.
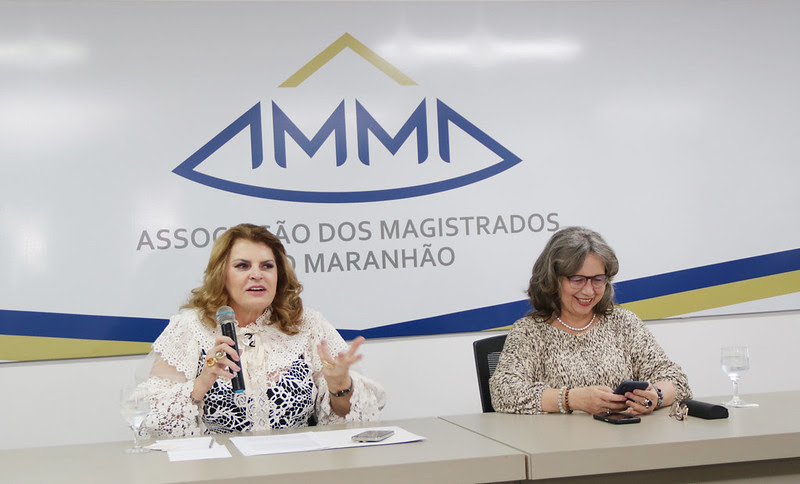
(487, 352)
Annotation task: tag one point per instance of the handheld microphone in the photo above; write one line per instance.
(226, 320)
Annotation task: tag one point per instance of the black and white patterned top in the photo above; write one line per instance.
(290, 402)
(284, 386)
(538, 356)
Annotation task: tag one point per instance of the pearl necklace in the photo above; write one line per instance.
(576, 329)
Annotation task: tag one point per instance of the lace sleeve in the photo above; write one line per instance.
(172, 413)
(176, 353)
(365, 405)
(515, 385)
(368, 397)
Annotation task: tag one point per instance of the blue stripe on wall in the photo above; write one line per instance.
(707, 276)
(462, 321)
(80, 326)
(118, 328)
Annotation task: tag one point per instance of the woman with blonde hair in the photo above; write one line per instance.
(296, 366)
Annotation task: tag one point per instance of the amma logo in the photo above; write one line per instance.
(277, 182)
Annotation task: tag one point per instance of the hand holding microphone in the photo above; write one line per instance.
(224, 351)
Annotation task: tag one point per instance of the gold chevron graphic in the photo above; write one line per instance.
(333, 50)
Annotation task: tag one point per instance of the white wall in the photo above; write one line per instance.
(70, 402)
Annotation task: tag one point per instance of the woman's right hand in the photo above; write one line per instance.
(218, 368)
(596, 399)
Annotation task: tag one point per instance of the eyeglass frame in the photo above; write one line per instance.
(679, 411)
(595, 283)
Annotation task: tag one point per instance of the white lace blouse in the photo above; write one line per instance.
(284, 386)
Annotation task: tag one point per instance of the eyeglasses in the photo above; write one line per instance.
(598, 281)
(679, 411)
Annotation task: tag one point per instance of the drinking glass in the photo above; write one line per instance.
(134, 408)
(735, 362)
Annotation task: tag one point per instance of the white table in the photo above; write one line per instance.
(752, 443)
(448, 454)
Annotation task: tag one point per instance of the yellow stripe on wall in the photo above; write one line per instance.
(716, 296)
(33, 348)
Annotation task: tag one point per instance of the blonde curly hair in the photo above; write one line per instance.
(287, 306)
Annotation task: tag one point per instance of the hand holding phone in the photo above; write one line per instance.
(617, 418)
(631, 385)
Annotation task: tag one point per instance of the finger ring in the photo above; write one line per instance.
(647, 403)
(608, 411)
(212, 360)
(328, 364)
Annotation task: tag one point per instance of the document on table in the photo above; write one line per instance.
(196, 448)
(277, 444)
(317, 440)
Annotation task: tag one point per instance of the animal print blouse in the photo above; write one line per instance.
(538, 356)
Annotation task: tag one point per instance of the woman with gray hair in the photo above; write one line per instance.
(576, 346)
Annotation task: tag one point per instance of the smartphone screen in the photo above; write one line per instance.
(617, 418)
(373, 435)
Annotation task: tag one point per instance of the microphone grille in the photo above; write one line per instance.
(225, 313)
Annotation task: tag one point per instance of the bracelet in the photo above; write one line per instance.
(196, 402)
(566, 401)
(660, 396)
(561, 400)
(342, 393)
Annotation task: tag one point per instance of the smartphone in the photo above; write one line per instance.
(630, 385)
(617, 418)
(373, 435)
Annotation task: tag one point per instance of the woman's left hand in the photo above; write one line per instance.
(337, 370)
(642, 402)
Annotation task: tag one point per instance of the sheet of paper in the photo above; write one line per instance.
(182, 444)
(317, 440)
(216, 451)
(194, 448)
(277, 444)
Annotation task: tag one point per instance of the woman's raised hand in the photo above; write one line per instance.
(336, 370)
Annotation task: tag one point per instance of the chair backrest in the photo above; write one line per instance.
(487, 352)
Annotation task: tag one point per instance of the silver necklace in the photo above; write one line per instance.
(576, 329)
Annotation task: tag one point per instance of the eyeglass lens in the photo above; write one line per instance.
(598, 281)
